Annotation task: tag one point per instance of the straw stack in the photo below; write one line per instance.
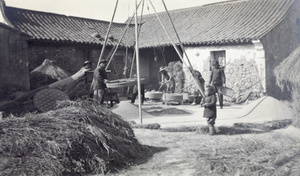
(76, 139)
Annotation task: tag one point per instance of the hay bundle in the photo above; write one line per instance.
(287, 77)
(75, 139)
(175, 70)
(46, 74)
(288, 70)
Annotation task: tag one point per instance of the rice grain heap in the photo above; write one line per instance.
(75, 139)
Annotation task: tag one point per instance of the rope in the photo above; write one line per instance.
(253, 107)
(177, 50)
(124, 32)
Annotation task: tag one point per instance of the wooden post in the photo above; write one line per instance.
(138, 63)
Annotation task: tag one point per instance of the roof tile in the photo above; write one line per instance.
(234, 21)
(56, 27)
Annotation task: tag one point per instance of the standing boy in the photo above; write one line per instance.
(210, 110)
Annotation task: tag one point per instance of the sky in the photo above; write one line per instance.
(102, 9)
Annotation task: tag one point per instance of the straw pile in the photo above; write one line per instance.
(288, 70)
(287, 77)
(176, 71)
(46, 74)
(75, 139)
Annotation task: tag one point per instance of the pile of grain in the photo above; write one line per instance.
(267, 108)
(76, 139)
(128, 110)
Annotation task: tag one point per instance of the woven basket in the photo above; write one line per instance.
(172, 97)
(226, 91)
(46, 99)
(154, 95)
(119, 83)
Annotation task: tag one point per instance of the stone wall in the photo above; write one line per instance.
(241, 69)
(14, 74)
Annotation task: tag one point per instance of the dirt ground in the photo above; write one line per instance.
(192, 153)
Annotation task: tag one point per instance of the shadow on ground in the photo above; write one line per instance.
(159, 111)
(236, 129)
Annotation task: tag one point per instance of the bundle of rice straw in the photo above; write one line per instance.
(46, 74)
(287, 77)
(175, 70)
(288, 70)
(76, 139)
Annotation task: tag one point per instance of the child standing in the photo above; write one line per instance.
(210, 109)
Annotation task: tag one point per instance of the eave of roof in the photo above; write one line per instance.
(52, 27)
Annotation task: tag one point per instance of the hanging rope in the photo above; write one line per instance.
(124, 32)
(156, 38)
(177, 50)
(139, 29)
(177, 34)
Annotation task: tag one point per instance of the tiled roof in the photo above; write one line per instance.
(61, 28)
(223, 23)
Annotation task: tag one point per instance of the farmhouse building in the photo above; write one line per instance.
(69, 41)
(249, 38)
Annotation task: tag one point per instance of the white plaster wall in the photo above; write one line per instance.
(199, 58)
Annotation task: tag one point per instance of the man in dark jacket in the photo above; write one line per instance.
(135, 92)
(217, 80)
(99, 82)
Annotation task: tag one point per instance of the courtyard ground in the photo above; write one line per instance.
(274, 152)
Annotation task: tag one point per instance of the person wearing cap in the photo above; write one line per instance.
(87, 65)
(217, 80)
(167, 81)
(99, 82)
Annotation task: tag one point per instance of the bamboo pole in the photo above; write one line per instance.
(104, 44)
(178, 52)
(107, 32)
(126, 62)
(177, 34)
(138, 63)
(124, 32)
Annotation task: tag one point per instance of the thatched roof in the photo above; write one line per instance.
(288, 70)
